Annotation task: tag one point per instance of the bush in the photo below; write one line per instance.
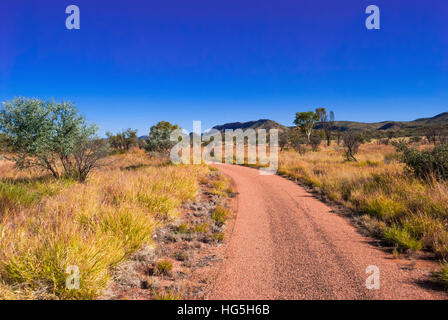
(52, 137)
(403, 238)
(183, 228)
(202, 228)
(158, 140)
(351, 145)
(86, 157)
(123, 141)
(441, 276)
(220, 215)
(425, 164)
(315, 142)
(298, 142)
(164, 267)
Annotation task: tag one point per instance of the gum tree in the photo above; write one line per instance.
(306, 122)
(158, 139)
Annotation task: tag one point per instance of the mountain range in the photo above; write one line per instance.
(436, 121)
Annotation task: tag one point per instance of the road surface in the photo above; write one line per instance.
(286, 244)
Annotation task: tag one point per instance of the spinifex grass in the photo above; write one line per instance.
(93, 226)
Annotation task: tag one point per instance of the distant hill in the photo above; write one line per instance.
(259, 124)
(380, 127)
(438, 120)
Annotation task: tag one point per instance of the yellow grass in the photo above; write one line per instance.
(412, 214)
(47, 225)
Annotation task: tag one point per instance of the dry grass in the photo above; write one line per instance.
(48, 225)
(411, 213)
(220, 215)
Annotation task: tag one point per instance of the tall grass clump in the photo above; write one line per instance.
(92, 226)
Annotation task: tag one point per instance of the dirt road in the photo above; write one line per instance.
(288, 245)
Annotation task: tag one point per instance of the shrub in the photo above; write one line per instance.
(202, 228)
(220, 215)
(183, 228)
(123, 141)
(441, 276)
(86, 157)
(315, 141)
(402, 237)
(158, 139)
(427, 163)
(219, 237)
(284, 139)
(351, 144)
(164, 267)
(50, 136)
(167, 295)
(384, 207)
(298, 142)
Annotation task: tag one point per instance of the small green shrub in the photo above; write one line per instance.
(183, 228)
(402, 237)
(384, 207)
(220, 215)
(167, 295)
(441, 276)
(427, 163)
(164, 267)
(219, 237)
(202, 228)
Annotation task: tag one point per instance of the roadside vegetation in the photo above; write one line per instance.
(48, 225)
(398, 185)
(72, 205)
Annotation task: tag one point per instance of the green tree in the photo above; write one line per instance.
(306, 122)
(124, 140)
(158, 139)
(47, 135)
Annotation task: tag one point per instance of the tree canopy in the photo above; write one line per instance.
(49, 136)
(158, 139)
(306, 122)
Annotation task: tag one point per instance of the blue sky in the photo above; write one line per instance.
(134, 63)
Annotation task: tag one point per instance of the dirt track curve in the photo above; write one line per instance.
(286, 244)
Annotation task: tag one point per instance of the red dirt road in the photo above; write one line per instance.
(288, 245)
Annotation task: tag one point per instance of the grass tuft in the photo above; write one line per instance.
(220, 215)
(164, 267)
(402, 238)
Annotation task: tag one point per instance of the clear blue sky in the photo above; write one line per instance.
(134, 63)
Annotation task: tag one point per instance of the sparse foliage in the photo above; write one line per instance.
(431, 134)
(351, 144)
(298, 142)
(338, 137)
(284, 139)
(86, 157)
(124, 140)
(327, 122)
(315, 142)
